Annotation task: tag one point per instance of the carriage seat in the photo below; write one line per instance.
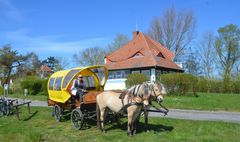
(90, 97)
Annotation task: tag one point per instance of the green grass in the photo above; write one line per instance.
(30, 97)
(204, 101)
(40, 126)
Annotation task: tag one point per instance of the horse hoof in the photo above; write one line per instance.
(129, 134)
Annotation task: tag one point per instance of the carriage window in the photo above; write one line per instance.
(69, 77)
(50, 86)
(90, 82)
(100, 72)
(57, 85)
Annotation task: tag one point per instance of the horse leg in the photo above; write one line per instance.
(102, 117)
(135, 124)
(146, 120)
(130, 124)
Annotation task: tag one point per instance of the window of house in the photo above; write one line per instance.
(119, 75)
(111, 75)
(146, 72)
(138, 55)
(126, 73)
(136, 71)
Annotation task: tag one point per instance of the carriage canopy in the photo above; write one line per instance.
(60, 82)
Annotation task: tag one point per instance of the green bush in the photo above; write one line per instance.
(34, 85)
(179, 83)
(134, 79)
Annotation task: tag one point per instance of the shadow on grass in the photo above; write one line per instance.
(32, 115)
(141, 127)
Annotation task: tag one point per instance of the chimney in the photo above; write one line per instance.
(135, 33)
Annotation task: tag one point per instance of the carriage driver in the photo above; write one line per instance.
(78, 88)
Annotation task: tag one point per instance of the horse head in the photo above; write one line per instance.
(157, 91)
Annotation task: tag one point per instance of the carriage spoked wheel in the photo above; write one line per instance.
(77, 119)
(1, 109)
(57, 112)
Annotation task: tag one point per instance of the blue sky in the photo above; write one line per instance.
(63, 27)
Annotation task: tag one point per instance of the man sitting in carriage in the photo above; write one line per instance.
(78, 88)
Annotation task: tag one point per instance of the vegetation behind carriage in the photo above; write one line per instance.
(183, 84)
(134, 79)
(36, 86)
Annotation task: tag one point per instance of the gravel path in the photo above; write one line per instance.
(201, 115)
(182, 114)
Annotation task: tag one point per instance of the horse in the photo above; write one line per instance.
(157, 94)
(133, 101)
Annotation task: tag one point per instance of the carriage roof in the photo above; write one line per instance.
(62, 81)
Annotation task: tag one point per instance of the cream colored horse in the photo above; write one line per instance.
(133, 102)
(158, 96)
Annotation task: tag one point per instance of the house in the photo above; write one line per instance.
(141, 55)
(45, 71)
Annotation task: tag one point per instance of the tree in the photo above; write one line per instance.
(9, 59)
(52, 62)
(118, 42)
(192, 64)
(227, 48)
(61, 63)
(174, 30)
(90, 56)
(207, 54)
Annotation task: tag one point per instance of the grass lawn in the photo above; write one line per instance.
(204, 101)
(40, 126)
(215, 102)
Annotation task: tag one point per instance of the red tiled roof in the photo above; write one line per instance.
(151, 54)
(46, 68)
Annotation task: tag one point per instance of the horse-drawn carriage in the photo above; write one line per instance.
(96, 100)
(65, 103)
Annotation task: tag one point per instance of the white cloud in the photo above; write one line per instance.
(49, 45)
(8, 10)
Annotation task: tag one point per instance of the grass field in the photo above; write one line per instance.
(204, 101)
(40, 126)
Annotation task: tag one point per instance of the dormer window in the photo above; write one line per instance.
(160, 55)
(138, 54)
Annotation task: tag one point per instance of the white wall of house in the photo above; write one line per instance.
(115, 84)
(117, 81)
(153, 74)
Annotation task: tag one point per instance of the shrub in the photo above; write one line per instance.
(179, 83)
(134, 79)
(34, 86)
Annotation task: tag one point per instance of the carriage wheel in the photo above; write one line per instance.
(5, 109)
(57, 112)
(77, 119)
(1, 109)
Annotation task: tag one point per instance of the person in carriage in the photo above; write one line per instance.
(78, 88)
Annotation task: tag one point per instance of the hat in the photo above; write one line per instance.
(80, 76)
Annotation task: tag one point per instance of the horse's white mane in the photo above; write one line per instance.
(138, 90)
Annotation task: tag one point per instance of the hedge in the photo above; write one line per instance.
(181, 84)
(134, 79)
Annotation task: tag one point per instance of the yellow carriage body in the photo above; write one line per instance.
(60, 82)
